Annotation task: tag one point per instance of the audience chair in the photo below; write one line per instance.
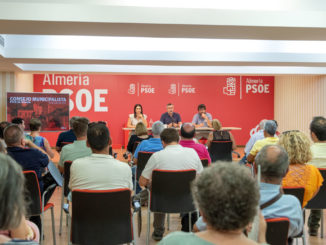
(170, 193)
(277, 231)
(36, 201)
(204, 161)
(298, 192)
(319, 201)
(134, 147)
(221, 151)
(102, 217)
(142, 160)
(65, 190)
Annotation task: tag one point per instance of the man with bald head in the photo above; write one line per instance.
(274, 163)
(188, 132)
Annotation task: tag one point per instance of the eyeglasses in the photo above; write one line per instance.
(291, 131)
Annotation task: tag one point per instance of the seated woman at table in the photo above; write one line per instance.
(13, 225)
(297, 145)
(220, 135)
(141, 134)
(137, 117)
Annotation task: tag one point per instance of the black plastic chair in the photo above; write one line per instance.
(204, 161)
(298, 192)
(134, 147)
(65, 189)
(170, 193)
(277, 231)
(220, 151)
(36, 201)
(102, 217)
(319, 201)
(142, 160)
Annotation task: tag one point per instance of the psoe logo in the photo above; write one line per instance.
(132, 88)
(187, 89)
(230, 88)
(147, 89)
(172, 89)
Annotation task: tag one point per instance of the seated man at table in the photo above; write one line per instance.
(187, 133)
(171, 118)
(202, 119)
(172, 157)
(99, 171)
(78, 149)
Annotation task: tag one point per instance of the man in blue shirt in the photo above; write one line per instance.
(274, 163)
(67, 136)
(151, 145)
(202, 119)
(171, 118)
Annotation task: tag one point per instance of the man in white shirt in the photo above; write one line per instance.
(172, 157)
(100, 171)
(318, 149)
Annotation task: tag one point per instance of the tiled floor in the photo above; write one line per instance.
(174, 223)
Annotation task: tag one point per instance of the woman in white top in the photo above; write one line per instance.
(137, 117)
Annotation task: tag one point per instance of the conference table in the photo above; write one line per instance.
(202, 130)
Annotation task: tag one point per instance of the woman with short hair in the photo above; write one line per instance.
(12, 204)
(226, 208)
(35, 127)
(220, 135)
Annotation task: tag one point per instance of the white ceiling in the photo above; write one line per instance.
(179, 36)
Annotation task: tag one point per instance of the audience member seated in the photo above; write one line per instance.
(99, 171)
(21, 123)
(171, 118)
(188, 132)
(13, 224)
(3, 146)
(226, 212)
(318, 149)
(137, 117)
(141, 134)
(256, 136)
(35, 127)
(29, 159)
(172, 157)
(3, 125)
(220, 135)
(297, 145)
(78, 149)
(274, 163)
(153, 144)
(270, 139)
(67, 136)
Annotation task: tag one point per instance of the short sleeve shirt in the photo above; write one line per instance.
(261, 143)
(197, 119)
(173, 157)
(67, 136)
(167, 119)
(150, 145)
(134, 120)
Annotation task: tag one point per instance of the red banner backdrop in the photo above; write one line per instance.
(237, 101)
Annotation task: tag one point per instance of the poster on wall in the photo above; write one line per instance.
(237, 101)
(51, 108)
